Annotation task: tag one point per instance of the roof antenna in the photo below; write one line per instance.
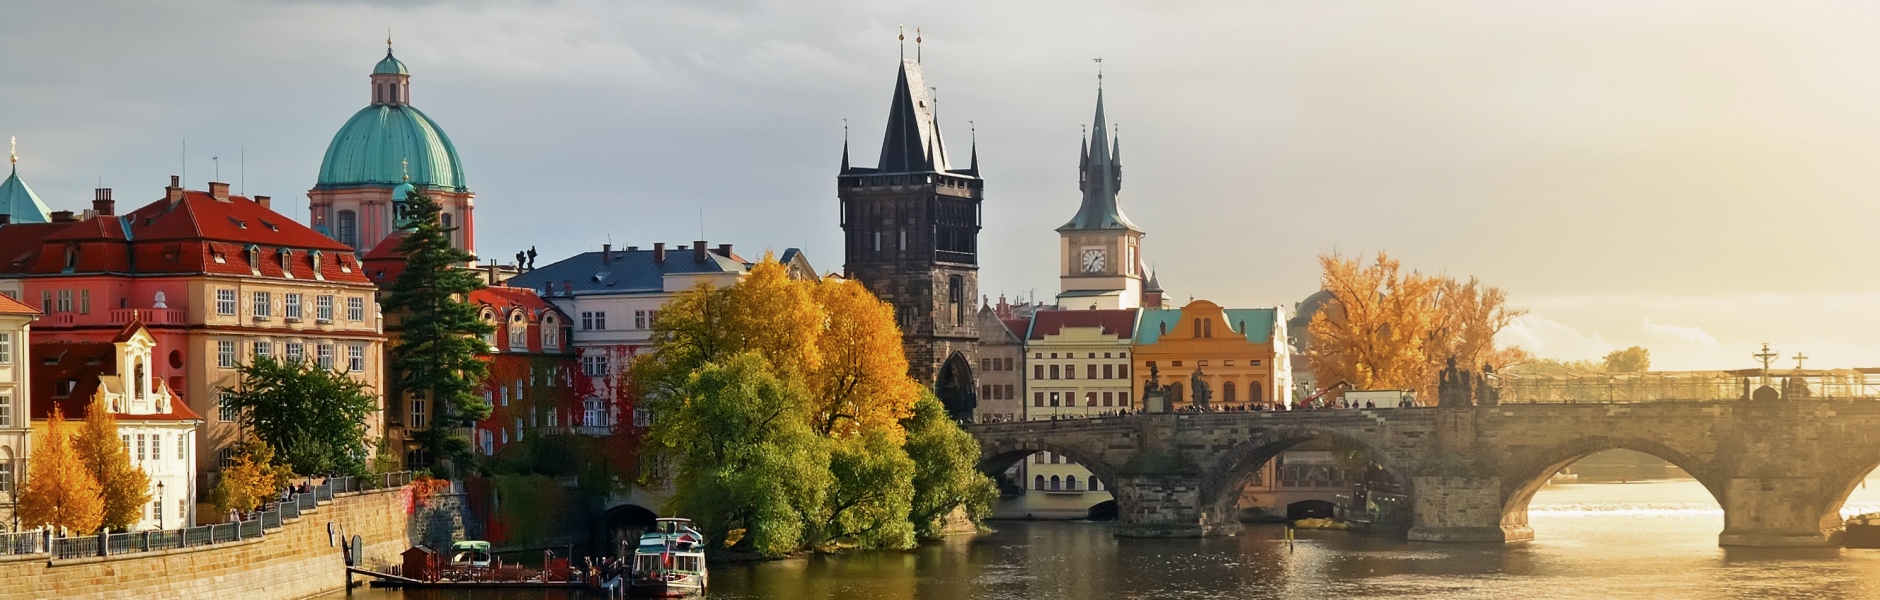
(244, 171)
(218, 166)
(701, 223)
(903, 37)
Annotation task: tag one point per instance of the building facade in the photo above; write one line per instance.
(1241, 354)
(1001, 365)
(16, 405)
(157, 427)
(535, 384)
(357, 200)
(1100, 250)
(216, 279)
(1080, 363)
(910, 229)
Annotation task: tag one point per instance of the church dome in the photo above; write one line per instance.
(380, 144)
(390, 66)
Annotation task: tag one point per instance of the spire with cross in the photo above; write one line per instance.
(1766, 356)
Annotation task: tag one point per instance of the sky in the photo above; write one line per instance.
(1696, 178)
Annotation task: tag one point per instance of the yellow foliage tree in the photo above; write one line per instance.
(862, 383)
(251, 480)
(124, 488)
(1388, 329)
(59, 491)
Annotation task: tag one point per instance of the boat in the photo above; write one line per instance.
(1863, 531)
(471, 553)
(669, 561)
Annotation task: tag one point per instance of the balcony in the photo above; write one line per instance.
(149, 316)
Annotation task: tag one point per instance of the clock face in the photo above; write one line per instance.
(1093, 260)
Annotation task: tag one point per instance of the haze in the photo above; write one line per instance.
(1692, 177)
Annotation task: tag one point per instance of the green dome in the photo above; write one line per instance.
(375, 145)
(390, 66)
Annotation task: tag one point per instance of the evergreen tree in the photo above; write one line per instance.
(59, 490)
(124, 488)
(437, 357)
(316, 417)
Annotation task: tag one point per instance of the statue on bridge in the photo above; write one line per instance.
(1455, 387)
(1201, 392)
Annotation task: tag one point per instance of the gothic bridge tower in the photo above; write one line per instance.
(911, 236)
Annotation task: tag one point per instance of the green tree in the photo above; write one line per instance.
(437, 357)
(946, 469)
(59, 490)
(1630, 360)
(315, 417)
(872, 493)
(746, 457)
(124, 488)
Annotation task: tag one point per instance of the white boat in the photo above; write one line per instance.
(669, 561)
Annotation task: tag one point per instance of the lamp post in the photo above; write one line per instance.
(160, 500)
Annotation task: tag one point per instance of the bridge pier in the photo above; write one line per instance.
(1167, 506)
(1776, 512)
(1463, 510)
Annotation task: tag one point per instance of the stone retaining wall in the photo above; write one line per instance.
(295, 561)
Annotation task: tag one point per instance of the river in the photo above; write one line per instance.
(1649, 539)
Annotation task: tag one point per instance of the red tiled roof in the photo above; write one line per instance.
(503, 299)
(1018, 327)
(82, 363)
(9, 306)
(20, 243)
(1119, 323)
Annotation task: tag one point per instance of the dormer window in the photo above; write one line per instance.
(254, 259)
(489, 339)
(551, 333)
(313, 256)
(287, 263)
(518, 332)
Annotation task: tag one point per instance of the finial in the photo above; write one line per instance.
(1099, 61)
(13, 150)
(388, 41)
(405, 164)
(916, 44)
(903, 38)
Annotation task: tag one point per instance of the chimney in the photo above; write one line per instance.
(633, 248)
(62, 216)
(6, 219)
(724, 250)
(265, 202)
(699, 251)
(567, 288)
(102, 203)
(219, 191)
(659, 252)
(492, 273)
(174, 193)
(607, 254)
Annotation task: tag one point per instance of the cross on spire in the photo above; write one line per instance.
(1099, 61)
(404, 164)
(1799, 357)
(1766, 356)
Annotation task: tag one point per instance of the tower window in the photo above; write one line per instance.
(348, 225)
(955, 292)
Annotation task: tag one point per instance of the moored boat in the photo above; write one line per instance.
(669, 561)
(1863, 531)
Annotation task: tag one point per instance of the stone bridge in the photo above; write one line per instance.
(1780, 470)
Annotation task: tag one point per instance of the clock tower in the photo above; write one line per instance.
(1101, 264)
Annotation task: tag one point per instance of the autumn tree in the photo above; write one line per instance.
(251, 480)
(1635, 359)
(862, 383)
(316, 417)
(124, 488)
(59, 490)
(1389, 329)
(438, 355)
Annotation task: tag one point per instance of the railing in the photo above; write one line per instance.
(256, 525)
(149, 316)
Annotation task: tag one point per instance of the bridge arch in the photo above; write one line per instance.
(1222, 485)
(1522, 477)
(1843, 479)
(996, 457)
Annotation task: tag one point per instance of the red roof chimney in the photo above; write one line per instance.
(174, 192)
(102, 203)
(219, 191)
(265, 202)
(62, 216)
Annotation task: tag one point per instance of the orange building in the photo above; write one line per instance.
(1240, 352)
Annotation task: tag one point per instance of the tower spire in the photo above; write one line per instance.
(973, 130)
(845, 145)
(1101, 176)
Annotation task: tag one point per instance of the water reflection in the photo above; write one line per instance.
(1653, 539)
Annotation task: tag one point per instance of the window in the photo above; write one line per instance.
(226, 458)
(6, 411)
(489, 441)
(1008, 393)
(1090, 398)
(263, 302)
(225, 405)
(1055, 398)
(156, 446)
(1197, 327)
(518, 331)
(1253, 392)
(290, 306)
(903, 240)
(6, 478)
(1122, 371)
(1227, 391)
(65, 300)
(84, 302)
(1037, 371)
(356, 309)
(551, 334)
(1070, 482)
(326, 356)
(45, 301)
(225, 302)
(1090, 372)
(294, 352)
(1109, 398)
(156, 509)
(1070, 371)
(1122, 398)
(1038, 482)
(348, 228)
(985, 391)
(141, 446)
(1054, 371)
(6, 348)
(264, 349)
(182, 446)
(1056, 483)
(1227, 363)
(356, 358)
(594, 366)
(1037, 398)
(1008, 363)
(323, 308)
(639, 319)
(1207, 328)
(417, 413)
(225, 354)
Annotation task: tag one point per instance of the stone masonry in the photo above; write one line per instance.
(1780, 470)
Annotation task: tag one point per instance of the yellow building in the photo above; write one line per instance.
(1240, 353)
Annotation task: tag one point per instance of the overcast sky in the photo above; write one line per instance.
(1695, 177)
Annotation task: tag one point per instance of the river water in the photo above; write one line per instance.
(1650, 539)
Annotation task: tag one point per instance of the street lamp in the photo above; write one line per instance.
(160, 500)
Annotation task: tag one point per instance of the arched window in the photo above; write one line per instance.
(551, 333)
(1253, 392)
(518, 331)
(1096, 485)
(348, 228)
(489, 318)
(1197, 327)
(1038, 483)
(141, 384)
(1227, 391)
(1207, 328)
(1070, 482)
(1056, 483)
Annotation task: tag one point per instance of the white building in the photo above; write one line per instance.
(157, 427)
(15, 405)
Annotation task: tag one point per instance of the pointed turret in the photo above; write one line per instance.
(1100, 181)
(845, 150)
(912, 143)
(17, 200)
